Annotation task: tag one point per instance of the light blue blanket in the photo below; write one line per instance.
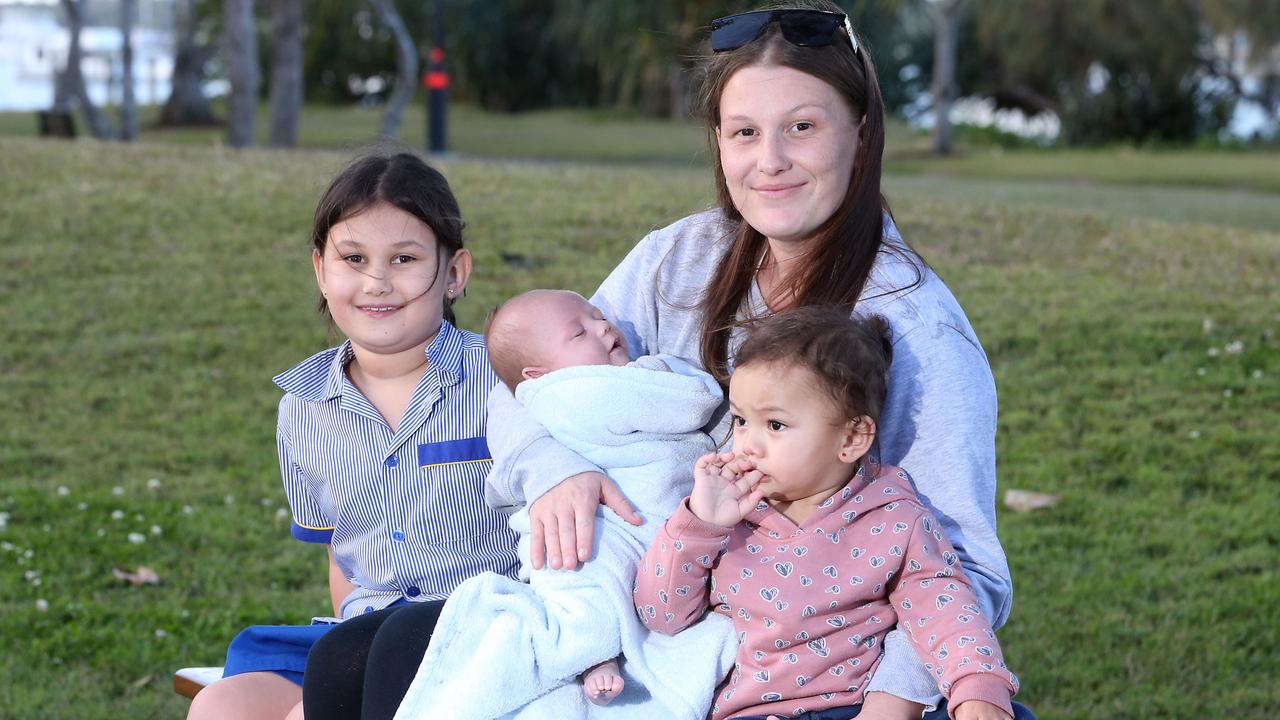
(504, 649)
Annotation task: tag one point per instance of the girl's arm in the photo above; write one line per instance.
(938, 609)
(939, 423)
(339, 586)
(672, 581)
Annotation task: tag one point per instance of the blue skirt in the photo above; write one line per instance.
(281, 649)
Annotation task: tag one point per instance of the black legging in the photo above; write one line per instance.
(363, 667)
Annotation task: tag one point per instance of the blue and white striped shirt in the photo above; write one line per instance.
(404, 511)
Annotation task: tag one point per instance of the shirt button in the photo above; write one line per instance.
(398, 536)
(368, 610)
(413, 591)
(392, 461)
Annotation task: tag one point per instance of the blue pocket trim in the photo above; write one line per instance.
(448, 452)
(309, 534)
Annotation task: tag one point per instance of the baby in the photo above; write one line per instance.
(641, 422)
(574, 332)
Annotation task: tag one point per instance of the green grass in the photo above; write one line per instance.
(150, 292)
(603, 136)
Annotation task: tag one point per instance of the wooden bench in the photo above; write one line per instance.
(189, 681)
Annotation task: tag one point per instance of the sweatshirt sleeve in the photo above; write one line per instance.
(672, 581)
(940, 614)
(527, 461)
(939, 421)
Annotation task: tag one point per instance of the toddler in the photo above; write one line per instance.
(811, 547)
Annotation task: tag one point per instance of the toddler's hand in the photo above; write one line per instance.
(980, 710)
(724, 489)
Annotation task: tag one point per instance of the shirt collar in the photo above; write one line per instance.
(322, 376)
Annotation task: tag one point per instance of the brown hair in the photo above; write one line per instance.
(836, 270)
(850, 357)
(503, 341)
(403, 180)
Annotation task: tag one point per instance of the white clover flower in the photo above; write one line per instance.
(101, 532)
(1194, 434)
(188, 510)
(117, 491)
(31, 575)
(1227, 393)
(156, 530)
(1213, 352)
(1234, 348)
(229, 500)
(42, 605)
(82, 506)
(137, 538)
(161, 634)
(1207, 325)
(7, 546)
(63, 490)
(153, 483)
(1200, 371)
(267, 502)
(117, 514)
(1257, 374)
(281, 513)
(28, 553)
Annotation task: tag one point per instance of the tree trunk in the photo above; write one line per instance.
(406, 65)
(72, 79)
(286, 72)
(946, 16)
(129, 101)
(242, 71)
(187, 104)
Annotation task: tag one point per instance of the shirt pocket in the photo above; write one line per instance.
(453, 473)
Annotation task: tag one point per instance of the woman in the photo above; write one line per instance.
(796, 123)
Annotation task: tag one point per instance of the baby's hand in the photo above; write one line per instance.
(724, 489)
(979, 710)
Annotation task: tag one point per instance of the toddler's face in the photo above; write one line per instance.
(573, 332)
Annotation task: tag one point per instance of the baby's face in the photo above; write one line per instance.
(575, 333)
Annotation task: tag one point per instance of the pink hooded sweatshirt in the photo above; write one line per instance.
(812, 603)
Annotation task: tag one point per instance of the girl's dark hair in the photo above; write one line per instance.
(850, 357)
(836, 270)
(401, 179)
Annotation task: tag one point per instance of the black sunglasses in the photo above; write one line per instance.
(807, 28)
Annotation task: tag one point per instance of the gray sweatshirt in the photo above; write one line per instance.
(939, 420)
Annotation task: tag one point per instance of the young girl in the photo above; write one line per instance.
(381, 440)
(812, 548)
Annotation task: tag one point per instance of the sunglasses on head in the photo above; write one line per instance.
(807, 28)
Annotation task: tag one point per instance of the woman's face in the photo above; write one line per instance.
(787, 143)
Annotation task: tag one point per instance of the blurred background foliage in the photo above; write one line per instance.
(1111, 70)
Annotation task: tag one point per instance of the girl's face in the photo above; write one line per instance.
(787, 144)
(385, 280)
(792, 431)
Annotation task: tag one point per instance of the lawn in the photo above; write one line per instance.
(149, 293)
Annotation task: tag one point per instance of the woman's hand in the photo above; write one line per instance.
(724, 489)
(563, 521)
(883, 706)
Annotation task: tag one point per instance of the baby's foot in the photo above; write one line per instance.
(602, 683)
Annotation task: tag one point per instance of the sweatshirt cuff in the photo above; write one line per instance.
(983, 686)
(901, 674)
(684, 525)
